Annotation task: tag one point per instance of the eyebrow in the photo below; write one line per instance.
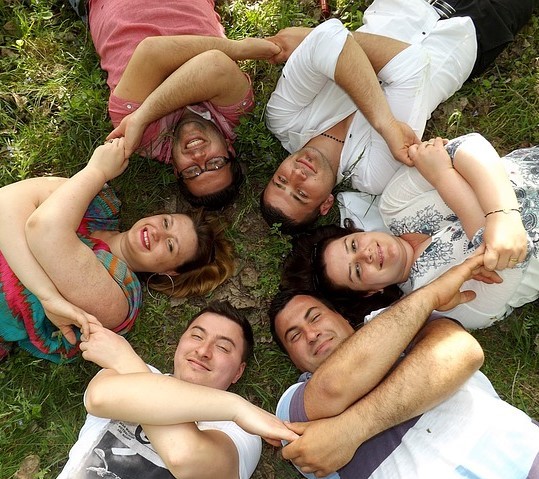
(293, 195)
(219, 336)
(349, 264)
(305, 316)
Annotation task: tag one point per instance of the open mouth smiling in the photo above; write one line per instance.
(145, 236)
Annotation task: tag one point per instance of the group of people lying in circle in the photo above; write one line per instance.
(402, 396)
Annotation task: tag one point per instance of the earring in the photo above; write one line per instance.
(158, 274)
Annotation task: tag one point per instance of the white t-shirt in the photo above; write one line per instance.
(307, 101)
(116, 449)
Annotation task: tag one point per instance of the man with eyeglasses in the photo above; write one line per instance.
(348, 104)
(177, 92)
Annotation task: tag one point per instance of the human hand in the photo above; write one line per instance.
(323, 446)
(431, 159)
(288, 40)
(109, 158)
(107, 349)
(399, 138)
(482, 274)
(256, 420)
(445, 290)
(258, 49)
(132, 129)
(65, 315)
(505, 239)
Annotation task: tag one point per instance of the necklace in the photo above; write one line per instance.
(332, 137)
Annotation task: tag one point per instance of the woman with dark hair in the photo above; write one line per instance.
(460, 199)
(63, 258)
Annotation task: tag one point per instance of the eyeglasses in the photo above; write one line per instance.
(211, 165)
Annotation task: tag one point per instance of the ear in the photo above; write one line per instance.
(239, 373)
(327, 204)
(370, 293)
(170, 273)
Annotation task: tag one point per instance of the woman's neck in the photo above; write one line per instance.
(113, 240)
(416, 244)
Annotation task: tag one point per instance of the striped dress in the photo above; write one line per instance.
(22, 318)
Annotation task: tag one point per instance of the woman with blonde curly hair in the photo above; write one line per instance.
(63, 258)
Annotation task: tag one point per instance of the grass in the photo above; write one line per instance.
(52, 115)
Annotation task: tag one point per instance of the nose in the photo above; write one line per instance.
(204, 350)
(298, 173)
(311, 333)
(366, 255)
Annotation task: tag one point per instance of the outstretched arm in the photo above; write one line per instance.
(443, 356)
(354, 397)
(170, 72)
(126, 390)
(474, 185)
(357, 366)
(51, 234)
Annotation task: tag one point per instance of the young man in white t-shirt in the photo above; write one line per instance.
(145, 424)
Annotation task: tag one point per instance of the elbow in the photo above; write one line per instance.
(181, 462)
(36, 227)
(331, 393)
(97, 398)
(475, 354)
(220, 64)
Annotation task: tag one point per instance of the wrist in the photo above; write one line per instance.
(506, 211)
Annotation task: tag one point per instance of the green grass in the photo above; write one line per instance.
(52, 115)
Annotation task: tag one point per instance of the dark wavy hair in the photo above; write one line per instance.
(225, 309)
(289, 226)
(217, 199)
(305, 269)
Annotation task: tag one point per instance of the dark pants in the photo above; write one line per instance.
(496, 23)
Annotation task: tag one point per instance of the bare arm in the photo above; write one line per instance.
(156, 58)
(369, 97)
(21, 199)
(51, 235)
(443, 357)
(168, 73)
(477, 185)
(357, 366)
(167, 408)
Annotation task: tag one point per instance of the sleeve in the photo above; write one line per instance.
(128, 282)
(291, 405)
(308, 70)
(249, 446)
(290, 408)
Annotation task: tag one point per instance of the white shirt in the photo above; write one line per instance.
(307, 101)
(106, 446)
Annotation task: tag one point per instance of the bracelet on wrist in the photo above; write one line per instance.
(504, 210)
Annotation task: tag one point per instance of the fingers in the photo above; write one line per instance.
(297, 427)
(466, 296)
(68, 333)
(272, 442)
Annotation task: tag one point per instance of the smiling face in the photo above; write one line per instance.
(301, 185)
(197, 141)
(367, 261)
(310, 331)
(210, 352)
(159, 244)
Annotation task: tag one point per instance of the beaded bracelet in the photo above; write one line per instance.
(504, 210)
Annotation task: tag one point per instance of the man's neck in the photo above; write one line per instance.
(331, 143)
